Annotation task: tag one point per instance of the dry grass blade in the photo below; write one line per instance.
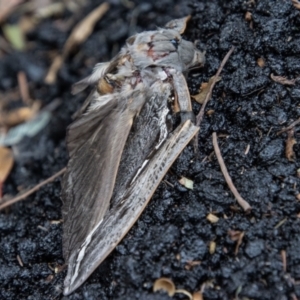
(6, 164)
(24, 195)
(23, 86)
(282, 80)
(79, 34)
(84, 29)
(242, 202)
(236, 236)
(290, 142)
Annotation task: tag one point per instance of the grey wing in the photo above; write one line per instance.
(95, 143)
(125, 210)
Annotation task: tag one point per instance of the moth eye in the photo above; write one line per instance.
(175, 42)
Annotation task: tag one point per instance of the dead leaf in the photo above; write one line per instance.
(189, 184)
(79, 34)
(19, 115)
(204, 90)
(296, 3)
(164, 284)
(212, 218)
(282, 80)
(290, 142)
(6, 164)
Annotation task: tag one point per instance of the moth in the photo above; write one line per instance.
(123, 141)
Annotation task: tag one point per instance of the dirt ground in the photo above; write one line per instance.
(173, 237)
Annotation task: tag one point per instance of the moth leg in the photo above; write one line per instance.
(183, 97)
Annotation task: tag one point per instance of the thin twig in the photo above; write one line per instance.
(242, 202)
(201, 113)
(289, 127)
(283, 257)
(31, 191)
(23, 86)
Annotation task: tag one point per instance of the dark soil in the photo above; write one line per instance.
(249, 109)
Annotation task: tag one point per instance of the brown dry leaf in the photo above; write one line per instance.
(6, 164)
(282, 80)
(212, 218)
(261, 62)
(189, 184)
(296, 3)
(236, 236)
(290, 142)
(19, 115)
(164, 284)
(79, 34)
(204, 90)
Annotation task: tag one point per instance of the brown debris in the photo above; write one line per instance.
(212, 247)
(242, 202)
(290, 142)
(282, 80)
(23, 86)
(19, 115)
(197, 296)
(212, 218)
(204, 90)
(261, 62)
(164, 284)
(192, 263)
(79, 34)
(236, 236)
(6, 164)
(248, 16)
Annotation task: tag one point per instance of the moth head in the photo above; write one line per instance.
(165, 47)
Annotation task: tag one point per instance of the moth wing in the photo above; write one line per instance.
(95, 142)
(124, 213)
(98, 72)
